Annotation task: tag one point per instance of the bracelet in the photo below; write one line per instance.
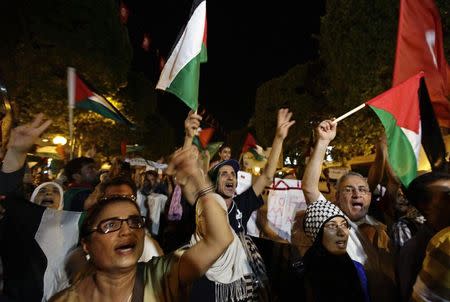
(204, 191)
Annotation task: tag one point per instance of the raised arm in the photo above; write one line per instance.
(325, 133)
(283, 124)
(217, 233)
(191, 125)
(20, 142)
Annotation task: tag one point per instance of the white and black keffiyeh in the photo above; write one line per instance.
(317, 214)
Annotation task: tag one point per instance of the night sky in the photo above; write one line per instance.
(247, 45)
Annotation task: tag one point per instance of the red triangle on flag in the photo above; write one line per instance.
(82, 92)
(250, 142)
(402, 101)
(205, 136)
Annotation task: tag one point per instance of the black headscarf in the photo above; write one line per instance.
(330, 277)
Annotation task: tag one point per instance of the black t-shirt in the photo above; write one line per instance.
(242, 208)
(238, 214)
(24, 262)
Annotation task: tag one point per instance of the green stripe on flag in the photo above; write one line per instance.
(100, 109)
(185, 84)
(401, 155)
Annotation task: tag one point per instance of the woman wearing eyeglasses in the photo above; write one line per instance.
(112, 236)
(328, 273)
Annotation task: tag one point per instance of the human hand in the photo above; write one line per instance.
(326, 130)
(191, 124)
(284, 123)
(185, 167)
(24, 136)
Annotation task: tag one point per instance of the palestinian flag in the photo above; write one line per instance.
(202, 141)
(34, 244)
(85, 98)
(251, 146)
(181, 73)
(408, 118)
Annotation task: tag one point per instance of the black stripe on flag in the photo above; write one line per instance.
(432, 141)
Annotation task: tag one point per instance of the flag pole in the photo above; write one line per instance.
(349, 113)
(71, 105)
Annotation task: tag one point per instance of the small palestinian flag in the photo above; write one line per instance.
(409, 121)
(181, 73)
(85, 98)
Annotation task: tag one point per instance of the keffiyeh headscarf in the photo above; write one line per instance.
(317, 214)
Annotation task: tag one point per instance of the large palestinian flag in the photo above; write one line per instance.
(34, 244)
(85, 98)
(181, 73)
(408, 118)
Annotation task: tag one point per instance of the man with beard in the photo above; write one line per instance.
(368, 242)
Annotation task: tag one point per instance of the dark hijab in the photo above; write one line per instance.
(329, 277)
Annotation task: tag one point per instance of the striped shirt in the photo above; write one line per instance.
(433, 281)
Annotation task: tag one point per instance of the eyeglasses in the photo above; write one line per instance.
(351, 190)
(114, 224)
(334, 226)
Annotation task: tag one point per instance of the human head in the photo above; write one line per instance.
(429, 193)
(326, 223)
(81, 170)
(120, 167)
(120, 185)
(48, 194)
(224, 175)
(225, 152)
(151, 178)
(353, 195)
(117, 250)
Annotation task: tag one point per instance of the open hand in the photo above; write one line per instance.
(24, 137)
(284, 123)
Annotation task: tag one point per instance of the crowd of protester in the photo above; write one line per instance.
(136, 233)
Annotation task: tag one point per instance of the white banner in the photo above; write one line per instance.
(283, 200)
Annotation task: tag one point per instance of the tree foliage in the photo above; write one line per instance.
(45, 37)
(357, 51)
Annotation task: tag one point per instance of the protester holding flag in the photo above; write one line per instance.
(114, 246)
(368, 241)
(240, 274)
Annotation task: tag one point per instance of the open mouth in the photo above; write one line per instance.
(229, 185)
(341, 244)
(357, 205)
(47, 202)
(126, 248)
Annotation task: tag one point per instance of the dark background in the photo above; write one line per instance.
(247, 45)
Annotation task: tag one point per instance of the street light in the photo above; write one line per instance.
(59, 140)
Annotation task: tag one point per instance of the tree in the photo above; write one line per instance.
(44, 38)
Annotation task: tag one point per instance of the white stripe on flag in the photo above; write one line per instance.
(100, 100)
(56, 236)
(415, 140)
(187, 48)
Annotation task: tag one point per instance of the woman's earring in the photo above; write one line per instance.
(88, 257)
